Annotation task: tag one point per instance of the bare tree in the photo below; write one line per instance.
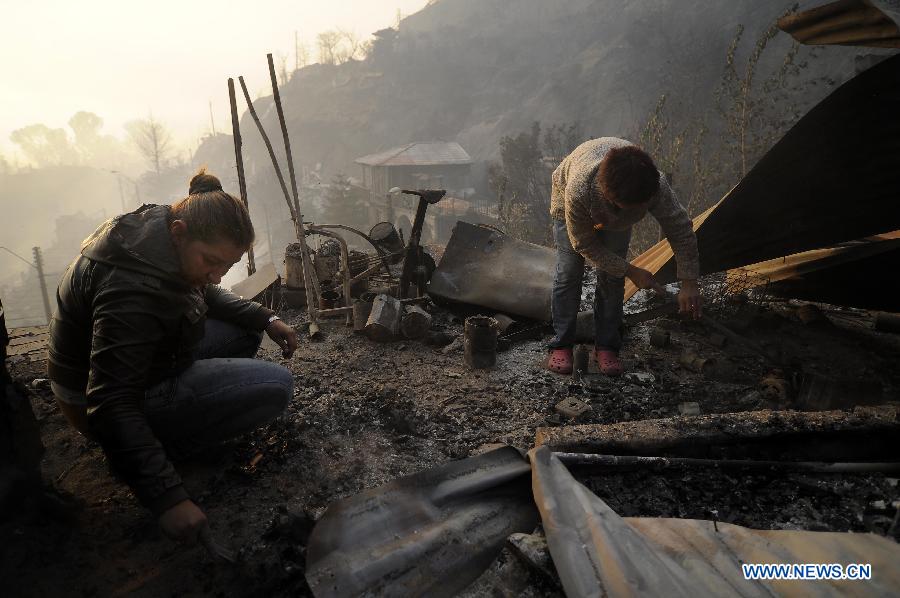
(152, 139)
(284, 74)
(301, 52)
(338, 46)
(328, 42)
(349, 47)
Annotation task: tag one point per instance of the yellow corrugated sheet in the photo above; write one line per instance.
(811, 261)
(845, 22)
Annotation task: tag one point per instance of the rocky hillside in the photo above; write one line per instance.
(473, 71)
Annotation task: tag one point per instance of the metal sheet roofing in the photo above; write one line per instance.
(419, 154)
(871, 23)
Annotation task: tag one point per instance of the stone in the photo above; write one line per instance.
(689, 408)
(533, 550)
(572, 408)
(640, 377)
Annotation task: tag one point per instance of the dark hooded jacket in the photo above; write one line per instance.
(125, 321)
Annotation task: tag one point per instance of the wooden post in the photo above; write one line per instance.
(262, 132)
(311, 286)
(276, 95)
(308, 270)
(39, 265)
(239, 163)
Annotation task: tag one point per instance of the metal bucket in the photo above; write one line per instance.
(385, 237)
(329, 299)
(481, 342)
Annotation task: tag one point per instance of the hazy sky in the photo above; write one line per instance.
(124, 59)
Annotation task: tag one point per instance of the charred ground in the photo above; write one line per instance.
(365, 413)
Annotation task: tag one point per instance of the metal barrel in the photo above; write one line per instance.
(480, 342)
(385, 236)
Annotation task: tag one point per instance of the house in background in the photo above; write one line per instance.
(436, 165)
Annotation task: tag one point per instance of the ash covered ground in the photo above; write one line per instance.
(365, 413)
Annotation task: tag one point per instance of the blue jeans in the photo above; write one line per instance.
(566, 297)
(223, 394)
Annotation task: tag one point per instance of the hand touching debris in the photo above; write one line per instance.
(284, 335)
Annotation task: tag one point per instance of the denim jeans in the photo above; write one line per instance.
(566, 297)
(223, 394)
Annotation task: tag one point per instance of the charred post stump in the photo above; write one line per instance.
(415, 323)
(383, 324)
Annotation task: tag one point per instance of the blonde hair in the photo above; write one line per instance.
(212, 215)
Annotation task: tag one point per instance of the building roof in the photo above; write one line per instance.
(419, 154)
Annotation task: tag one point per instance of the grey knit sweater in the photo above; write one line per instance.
(576, 198)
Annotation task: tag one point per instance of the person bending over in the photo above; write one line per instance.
(598, 193)
(151, 358)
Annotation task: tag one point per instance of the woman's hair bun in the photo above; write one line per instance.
(203, 182)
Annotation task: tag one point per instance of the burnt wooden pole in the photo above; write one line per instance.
(284, 133)
(39, 266)
(239, 163)
(305, 261)
(265, 138)
(309, 273)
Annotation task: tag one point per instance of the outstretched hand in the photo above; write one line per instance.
(285, 336)
(689, 299)
(183, 522)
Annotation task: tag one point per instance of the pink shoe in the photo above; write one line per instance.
(608, 362)
(560, 361)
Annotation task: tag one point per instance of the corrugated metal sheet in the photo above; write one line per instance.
(800, 264)
(419, 154)
(871, 23)
(849, 274)
(832, 178)
(428, 534)
(598, 553)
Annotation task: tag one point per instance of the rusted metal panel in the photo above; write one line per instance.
(428, 534)
(721, 433)
(871, 23)
(598, 553)
(482, 266)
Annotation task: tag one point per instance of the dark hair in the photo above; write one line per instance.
(212, 215)
(628, 175)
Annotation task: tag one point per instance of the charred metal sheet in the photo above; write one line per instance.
(805, 193)
(428, 534)
(865, 434)
(847, 275)
(847, 22)
(482, 266)
(598, 553)
(256, 284)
